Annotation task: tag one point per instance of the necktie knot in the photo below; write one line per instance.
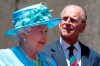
(71, 48)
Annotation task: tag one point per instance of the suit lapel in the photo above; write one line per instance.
(58, 55)
(85, 55)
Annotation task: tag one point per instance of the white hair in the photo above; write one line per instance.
(16, 35)
(83, 17)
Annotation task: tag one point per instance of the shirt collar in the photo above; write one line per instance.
(66, 45)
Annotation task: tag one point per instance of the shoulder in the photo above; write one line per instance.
(91, 54)
(95, 57)
(95, 54)
(89, 51)
(5, 56)
(8, 58)
(5, 53)
(50, 48)
(54, 45)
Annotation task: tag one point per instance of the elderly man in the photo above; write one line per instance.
(68, 50)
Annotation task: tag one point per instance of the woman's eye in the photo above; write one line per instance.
(43, 32)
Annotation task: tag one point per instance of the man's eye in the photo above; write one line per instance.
(73, 20)
(65, 18)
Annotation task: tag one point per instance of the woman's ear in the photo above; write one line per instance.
(23, 35)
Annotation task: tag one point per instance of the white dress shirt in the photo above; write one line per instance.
(76, 51)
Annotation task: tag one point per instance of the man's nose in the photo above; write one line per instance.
(67, 21)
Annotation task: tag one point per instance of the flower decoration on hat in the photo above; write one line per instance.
(34, 15)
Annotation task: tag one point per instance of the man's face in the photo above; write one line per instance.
(71, 24)
(37, 37)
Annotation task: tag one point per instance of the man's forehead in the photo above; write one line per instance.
(73, 6)
(72, 11)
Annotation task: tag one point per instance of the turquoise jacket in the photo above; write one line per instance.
(16, 57)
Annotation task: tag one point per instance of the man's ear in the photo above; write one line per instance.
(83, 27)
(59, 25)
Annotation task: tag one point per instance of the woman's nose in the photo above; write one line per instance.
(45, 34)
(45, 37)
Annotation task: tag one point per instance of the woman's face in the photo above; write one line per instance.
(36, 38)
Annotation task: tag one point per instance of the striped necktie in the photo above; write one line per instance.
(72, 59)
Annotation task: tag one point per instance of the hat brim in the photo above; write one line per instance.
(50, 24)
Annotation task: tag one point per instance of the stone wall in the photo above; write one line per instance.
(90, 37)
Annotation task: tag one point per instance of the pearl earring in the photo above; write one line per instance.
(24, 40)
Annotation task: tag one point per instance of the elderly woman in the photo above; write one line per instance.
(31, 25)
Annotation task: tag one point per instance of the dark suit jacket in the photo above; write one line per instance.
(88, 56)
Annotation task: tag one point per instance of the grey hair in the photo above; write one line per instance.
(16, 35)
(83, 17)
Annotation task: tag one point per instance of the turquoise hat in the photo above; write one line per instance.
(34, 15)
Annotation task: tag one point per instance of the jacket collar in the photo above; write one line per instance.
(84, 50)
(59, 56)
